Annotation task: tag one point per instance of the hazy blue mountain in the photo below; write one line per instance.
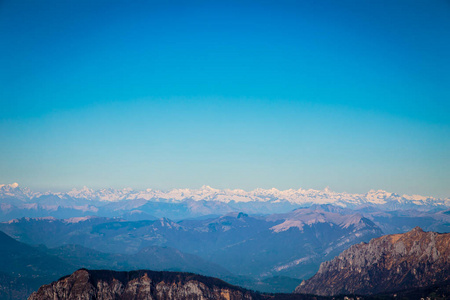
(153, 258)
(137, 215)
(24, 268)
(14, 287)
(251, 250)
(291, 244)
(166, 259)
(401, 221)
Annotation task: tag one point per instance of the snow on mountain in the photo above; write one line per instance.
(287, 225)
(11, 186)
(14, 191)
(301, 217)
(302, 197)
(101, 195)
(78, 219)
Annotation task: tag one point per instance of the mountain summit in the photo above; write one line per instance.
(393, 262)
(303, 197)
(85, 284)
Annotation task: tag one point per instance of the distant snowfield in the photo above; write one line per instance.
(207, 193)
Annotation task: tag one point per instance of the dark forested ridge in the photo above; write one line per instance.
(145, 284)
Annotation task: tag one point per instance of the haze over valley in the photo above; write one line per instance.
(263, 240)
(224, 150)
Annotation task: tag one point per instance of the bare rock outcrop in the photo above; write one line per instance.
(393, 262)
(102, 284)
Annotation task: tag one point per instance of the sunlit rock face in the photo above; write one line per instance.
(84, 284)
(389, 263)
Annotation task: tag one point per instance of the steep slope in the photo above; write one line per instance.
(13, 288)
(84, 284)
(145, 284)
(393, 262)
(22, 260)
(24, 268)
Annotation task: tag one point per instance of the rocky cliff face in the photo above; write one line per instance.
(84, 284)
(389, 263)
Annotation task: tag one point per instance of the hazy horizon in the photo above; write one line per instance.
(352, 95)
(326, 189)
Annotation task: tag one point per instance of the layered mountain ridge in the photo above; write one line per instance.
(256, 246)
(24, 268)
(266, 240)
(413, 265)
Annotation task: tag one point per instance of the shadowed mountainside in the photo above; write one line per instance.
(143, 284)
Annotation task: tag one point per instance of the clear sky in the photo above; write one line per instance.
(354, 95)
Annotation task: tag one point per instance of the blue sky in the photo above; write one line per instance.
(353, 95)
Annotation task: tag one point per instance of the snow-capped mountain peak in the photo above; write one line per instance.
(301, 197)
(9, 186)
(13, 190)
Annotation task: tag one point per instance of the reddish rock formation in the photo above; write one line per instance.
(389, 263)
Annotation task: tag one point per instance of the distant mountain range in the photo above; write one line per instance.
(265, 240)
(291, 244)
(207, 193)
(413, 265)
(24, 268)
(178, 204)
